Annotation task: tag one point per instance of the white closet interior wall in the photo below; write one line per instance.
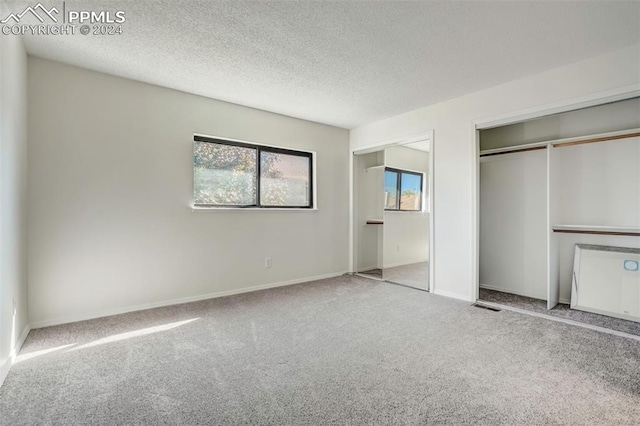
(596, 184)
(588, 121)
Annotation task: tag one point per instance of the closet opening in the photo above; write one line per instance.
(559, 215)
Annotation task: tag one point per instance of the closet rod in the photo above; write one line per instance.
(631, 133)
(511, 151)
(600, 139)
(584, 231)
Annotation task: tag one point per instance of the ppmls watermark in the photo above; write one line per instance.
(40, 20)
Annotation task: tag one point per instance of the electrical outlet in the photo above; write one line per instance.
(267, 262)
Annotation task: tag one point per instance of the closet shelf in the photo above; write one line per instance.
(629, 231)
(557, 143)
(374, 168)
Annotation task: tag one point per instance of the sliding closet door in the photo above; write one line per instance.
(513, 223)
(553, 291)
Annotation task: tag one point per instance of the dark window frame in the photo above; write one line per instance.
(259, 149)
(399, 173)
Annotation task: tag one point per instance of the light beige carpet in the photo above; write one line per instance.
(560, 311)
(341, 351)
(413, 274)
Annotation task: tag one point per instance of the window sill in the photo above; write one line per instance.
(195, 209)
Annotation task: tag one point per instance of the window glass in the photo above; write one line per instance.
(224, 175)
(411, 192)
(402, 190)
(284, 179)
(390, 189)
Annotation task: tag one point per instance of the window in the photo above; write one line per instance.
(402, 190)
(238, 174)
(390, 190)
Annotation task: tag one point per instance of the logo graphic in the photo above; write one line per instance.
(50, 21)
(34, 11)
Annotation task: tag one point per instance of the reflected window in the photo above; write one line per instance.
(403, 190)
(390, 189)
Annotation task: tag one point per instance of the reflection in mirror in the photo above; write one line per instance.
(405, 252)
(390, 189)
(411, 192)
(368, 213)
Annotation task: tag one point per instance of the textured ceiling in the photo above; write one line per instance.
(344, 63)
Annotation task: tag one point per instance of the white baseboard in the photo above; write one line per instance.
(4, 369)
(7, 363)
(518, 293)
(368, 268)
(20, 342)
(452, 295)
(117, 311)
(396, 264)
(564, 301)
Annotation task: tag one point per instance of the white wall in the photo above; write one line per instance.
(406, 234)
(13, 183)
(599, 183)
(406, 158)
(110, 189)
(406, 238)
(454, 147)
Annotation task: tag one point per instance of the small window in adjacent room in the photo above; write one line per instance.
(403, 190)
(237, 174)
